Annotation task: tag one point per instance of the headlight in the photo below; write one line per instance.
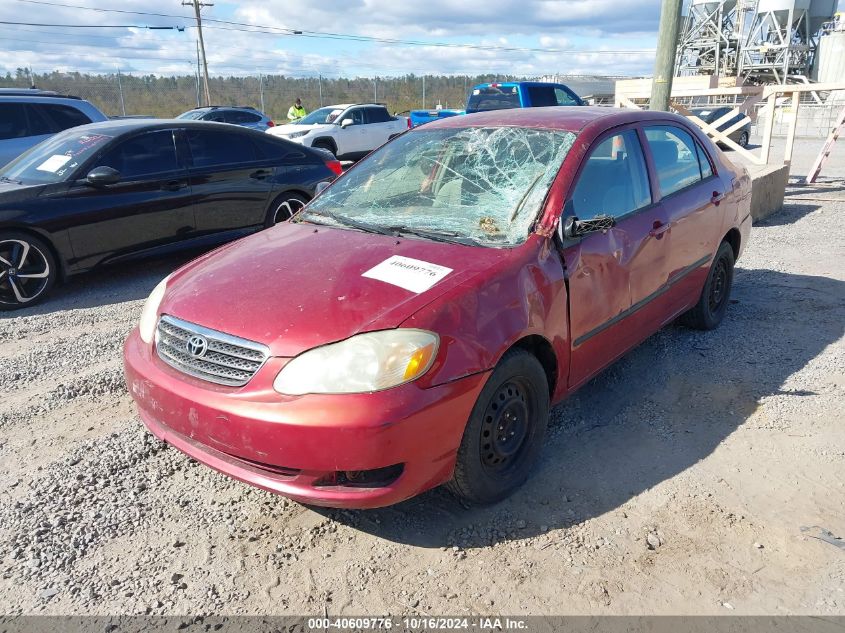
(297, 134)
(147, 325)
(366, 362)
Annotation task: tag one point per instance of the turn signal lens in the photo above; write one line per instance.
(419, 362)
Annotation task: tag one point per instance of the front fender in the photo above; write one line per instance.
(478, 321)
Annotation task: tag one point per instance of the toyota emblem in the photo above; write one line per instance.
(196, 346)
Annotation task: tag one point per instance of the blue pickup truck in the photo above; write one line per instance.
(504, 95)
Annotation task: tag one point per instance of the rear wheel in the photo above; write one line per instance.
(27, 270)
(284, 207)
(715, 296)
(505, 431)
(326, 146)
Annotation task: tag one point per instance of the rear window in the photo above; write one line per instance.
(62, 116)
(493, 98)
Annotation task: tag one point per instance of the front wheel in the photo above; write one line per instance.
(284, 207)
(27, 270)
(708, 313)
(505, 431)
(743, 139)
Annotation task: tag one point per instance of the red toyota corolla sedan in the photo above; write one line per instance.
(412, 326)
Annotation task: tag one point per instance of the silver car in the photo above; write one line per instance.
(28, 116)
(236, 115)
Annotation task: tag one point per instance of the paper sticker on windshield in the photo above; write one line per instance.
(411, 274)
(53, 163)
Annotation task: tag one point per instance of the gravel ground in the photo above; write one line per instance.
(678, 481)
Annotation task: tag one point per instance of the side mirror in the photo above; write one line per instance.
(321, 187)
(346, 123)
(573, 227)
(102, 176)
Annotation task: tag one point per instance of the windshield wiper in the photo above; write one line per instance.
(434, 234)
(7, 179)
(355, 224)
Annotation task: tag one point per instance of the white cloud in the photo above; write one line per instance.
(548, 24)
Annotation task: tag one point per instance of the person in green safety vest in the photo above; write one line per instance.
(296, 111)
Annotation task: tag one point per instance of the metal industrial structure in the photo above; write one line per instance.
(757, 41)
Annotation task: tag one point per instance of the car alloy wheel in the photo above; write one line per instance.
(287, 208)
(743, 139)
(25, 272)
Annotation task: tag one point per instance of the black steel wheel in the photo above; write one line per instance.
(284, 207)
(713, 302)
(505, 431)
(27, 270)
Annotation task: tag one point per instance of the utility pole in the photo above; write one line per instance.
(261, 89)
(197, 6)
(320, 79)
(120, 89)
(664, 63)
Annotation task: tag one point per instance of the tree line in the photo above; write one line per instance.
(168, 96)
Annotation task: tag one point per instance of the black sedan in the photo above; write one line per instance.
(116, 190)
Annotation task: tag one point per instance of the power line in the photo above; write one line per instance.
(355, 38)
(98, 26)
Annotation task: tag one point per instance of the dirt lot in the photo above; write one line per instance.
(679, 481)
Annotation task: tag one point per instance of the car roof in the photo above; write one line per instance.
(33, 92)
(568, 118)
(125, 126)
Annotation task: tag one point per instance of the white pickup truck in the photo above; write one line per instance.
(348, 130)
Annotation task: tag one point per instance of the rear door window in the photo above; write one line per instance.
(13, 123)
(143, 155)
(213, 148)
(239, 116)
(675, 158)
(613, 181)
(542, 96)
(376, 115)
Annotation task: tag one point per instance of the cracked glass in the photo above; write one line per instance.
(479, 185)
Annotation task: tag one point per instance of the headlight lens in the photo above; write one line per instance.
(366, 362)
(147, 325)
(297, 134)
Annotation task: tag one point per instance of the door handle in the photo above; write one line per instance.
(717, 198)
(174, 185)
(658, 229)
(260, 174)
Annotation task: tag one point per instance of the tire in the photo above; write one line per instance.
(27, 270)
(514, 403)
(283, 208)
(715, 296)
(326, 146)
(743, 139)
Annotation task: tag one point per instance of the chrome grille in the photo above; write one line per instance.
(219, 358)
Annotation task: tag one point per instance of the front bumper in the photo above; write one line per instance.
(290, 445)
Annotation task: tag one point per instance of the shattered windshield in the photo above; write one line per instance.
(482, 185)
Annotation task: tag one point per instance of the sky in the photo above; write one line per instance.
(525, 37)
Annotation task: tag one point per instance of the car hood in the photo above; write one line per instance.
(12, 192)
(283, 130)
(298, 286)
